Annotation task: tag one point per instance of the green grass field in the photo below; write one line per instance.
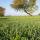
(20, 28)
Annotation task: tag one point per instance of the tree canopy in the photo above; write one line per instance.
(26, 5)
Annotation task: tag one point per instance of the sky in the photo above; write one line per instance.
(10, 11)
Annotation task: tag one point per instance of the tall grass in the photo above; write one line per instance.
(20, 28)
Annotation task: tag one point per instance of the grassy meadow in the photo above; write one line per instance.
(20, 28)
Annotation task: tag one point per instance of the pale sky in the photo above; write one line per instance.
(13, 12)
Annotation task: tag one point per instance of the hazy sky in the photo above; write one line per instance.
(11, 11)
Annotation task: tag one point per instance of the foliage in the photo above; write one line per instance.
(26, 5)
(20, 28)
(2, 11)
(17, 3)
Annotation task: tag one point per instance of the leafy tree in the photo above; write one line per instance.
(2, 11)
(26, 5)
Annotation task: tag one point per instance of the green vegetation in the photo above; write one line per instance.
(29, 6)
(20, 28)
(2, 10)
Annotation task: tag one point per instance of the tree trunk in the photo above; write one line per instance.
(27, 13)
